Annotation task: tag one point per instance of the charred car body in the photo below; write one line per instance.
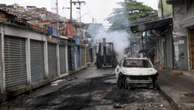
(135, 71)
(106, 56)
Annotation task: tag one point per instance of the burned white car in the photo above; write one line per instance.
(131, 71)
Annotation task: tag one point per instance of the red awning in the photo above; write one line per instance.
(70, 31)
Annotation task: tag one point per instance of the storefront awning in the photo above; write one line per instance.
(151, 25)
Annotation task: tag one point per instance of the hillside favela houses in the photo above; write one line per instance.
(34, 51)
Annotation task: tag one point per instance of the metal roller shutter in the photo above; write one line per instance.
(87, 56)
(52, 60)
(73, 58)
(70, 62)
(83, 57)
(62, 59)
(15, 63)
(77, 58)
(37, 61)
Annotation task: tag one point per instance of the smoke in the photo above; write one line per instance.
(120, 38)
(118, 35)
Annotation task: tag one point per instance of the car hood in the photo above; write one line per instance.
(138, 71)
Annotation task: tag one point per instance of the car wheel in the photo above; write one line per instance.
(119, 85)
(126, 86)
(121, 82)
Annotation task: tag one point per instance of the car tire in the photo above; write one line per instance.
(121, 82)
(119, 85)
(126, 86)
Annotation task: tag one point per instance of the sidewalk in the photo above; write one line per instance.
(179, 89)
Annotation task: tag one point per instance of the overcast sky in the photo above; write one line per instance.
(97, 9)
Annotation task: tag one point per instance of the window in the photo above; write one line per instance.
(137, 63)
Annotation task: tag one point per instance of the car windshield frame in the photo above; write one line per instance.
(134, 63)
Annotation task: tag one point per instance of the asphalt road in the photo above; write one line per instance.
(90, 89)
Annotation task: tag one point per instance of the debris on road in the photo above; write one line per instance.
(117, 105)
(55, 83)
(95, 93)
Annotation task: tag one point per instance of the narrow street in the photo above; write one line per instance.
(97, 55)
(91, 89)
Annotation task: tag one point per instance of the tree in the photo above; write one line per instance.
(130, 12)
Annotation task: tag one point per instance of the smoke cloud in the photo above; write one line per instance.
(119, 36)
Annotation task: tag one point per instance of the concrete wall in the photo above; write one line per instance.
(183, 19)
(164, 9)
(179, 12)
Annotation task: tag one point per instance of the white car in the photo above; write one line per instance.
(135, 71)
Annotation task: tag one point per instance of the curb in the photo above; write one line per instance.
(172, 103)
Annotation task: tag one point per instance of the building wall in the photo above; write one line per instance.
(33, 48)
(182, 21)
(167, 9)
(179, 12)
(183, 17)
(164, 9)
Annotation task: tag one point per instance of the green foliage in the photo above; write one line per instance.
(131, 11)
(138, 10)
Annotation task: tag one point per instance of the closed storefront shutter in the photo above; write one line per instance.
(81, 59)
(87, 56)
(70, 62)
(37, 61)
(62, 59)
(78, 57)
(82, 56)
(73, 58)
(15, 63)
(52, 60)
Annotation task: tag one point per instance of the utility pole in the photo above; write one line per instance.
(80, 12)
(70, 10)
(57, 17)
